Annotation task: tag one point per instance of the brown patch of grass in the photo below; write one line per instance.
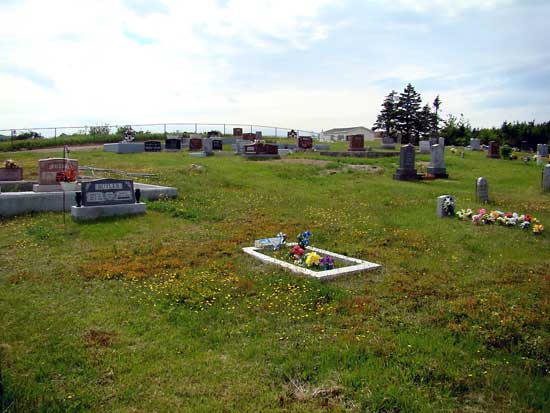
(99, 338)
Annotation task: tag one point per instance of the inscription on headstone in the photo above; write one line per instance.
(356, 142)
(305, 142)
(172, 144)
(494, 150)
(152, 146)
(49, 168)
(249, 136)
(482, 190)
(195, 144)
(406, 170)
(437, 162)
(108, 192)
(217, 144)
(237, 132)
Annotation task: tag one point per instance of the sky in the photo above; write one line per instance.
(303, 64)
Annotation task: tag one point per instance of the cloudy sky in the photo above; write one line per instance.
(309, 64)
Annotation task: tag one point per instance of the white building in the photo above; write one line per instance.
(339, 134)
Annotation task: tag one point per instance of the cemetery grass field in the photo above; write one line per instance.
(165, 313)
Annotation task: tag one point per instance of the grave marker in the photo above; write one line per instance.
(546, 178)
(437, 162)
(108, 192)
(152, 146)
(424, 146)
(356, 143)
(494, 150)
(237, 132)
(217, 144)
(475, 144)
(406, 170)
(172, 144)
(195, 144)
(305, 142)
(482, 190)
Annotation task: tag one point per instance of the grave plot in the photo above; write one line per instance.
(301, 258)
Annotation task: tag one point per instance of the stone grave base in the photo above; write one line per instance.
(355, 265)
(47, 188)
(200, 154)
(13, 186)
(387, 146)
(261, 157)
(440, 173)
(85, 213)
(366, 154)
(132, 147)
(18, 203)
(407, 175)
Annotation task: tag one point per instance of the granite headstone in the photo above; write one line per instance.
(482, 190)
(152, 146)
(406, 170)
(108, 192)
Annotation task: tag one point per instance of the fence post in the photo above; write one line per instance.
(275, 132)
(195, 128)
(165, 129)
(250, 128)
(224, 129)
(55, 132)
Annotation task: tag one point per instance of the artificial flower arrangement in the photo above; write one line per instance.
(298, 254)
(10, 164)
(68, 175)
(508, 219)
(449, 206)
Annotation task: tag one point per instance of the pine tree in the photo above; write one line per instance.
(408, 114)
(386, 120)
(425, 122)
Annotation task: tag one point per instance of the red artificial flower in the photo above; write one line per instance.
(527, 217)
(297, 250)
(509, 215)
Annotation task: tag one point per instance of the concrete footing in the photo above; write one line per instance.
(85, 213)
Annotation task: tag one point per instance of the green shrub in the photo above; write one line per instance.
(505, 152)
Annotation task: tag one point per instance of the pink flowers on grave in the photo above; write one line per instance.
(297, 251)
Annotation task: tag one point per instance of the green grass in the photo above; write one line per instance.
(164, 312)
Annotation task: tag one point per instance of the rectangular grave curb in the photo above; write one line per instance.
(360, 265)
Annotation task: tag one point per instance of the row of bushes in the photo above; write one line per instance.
(72, 140)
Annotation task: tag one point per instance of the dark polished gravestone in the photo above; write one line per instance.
(217, 145)
(261, 150)
(305, 142)
(494, 150)
(237, 132)
(107, 197)
(108, 192)
(249, 136)
(152, 146)
(524, 147)
(172, 144)
(356, 143)
(195, 144)
(406, 170)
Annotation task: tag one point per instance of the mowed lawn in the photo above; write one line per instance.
(165, 313)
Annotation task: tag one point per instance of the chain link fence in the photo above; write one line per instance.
(225, 128)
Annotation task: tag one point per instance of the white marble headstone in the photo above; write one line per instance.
(475, 144)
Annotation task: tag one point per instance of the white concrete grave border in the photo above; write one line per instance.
(356, 266)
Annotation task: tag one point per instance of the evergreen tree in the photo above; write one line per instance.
(425, 124)
(386, 120)
(408, 114)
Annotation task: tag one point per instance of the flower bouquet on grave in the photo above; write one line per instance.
(10, 164)
(67, 179)
(449, 206)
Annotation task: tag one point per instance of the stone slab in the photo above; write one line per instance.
(440, 200)
(366, 154)
(19, 203)
(10, 186)
(200, 154)
(131, 147)
(86, 213)
(356, 265)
